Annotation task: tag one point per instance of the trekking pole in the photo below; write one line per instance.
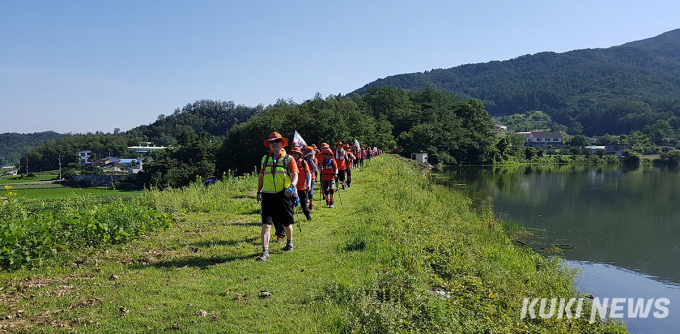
(340, 197)
(299, 221)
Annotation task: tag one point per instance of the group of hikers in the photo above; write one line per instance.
(286, 181)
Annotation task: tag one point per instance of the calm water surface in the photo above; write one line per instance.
(624, 225)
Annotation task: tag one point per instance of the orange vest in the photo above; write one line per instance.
(340, 159)
(303, 169)
(328, 169)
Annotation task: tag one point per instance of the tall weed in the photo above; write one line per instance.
(200, 198)
(29, 234)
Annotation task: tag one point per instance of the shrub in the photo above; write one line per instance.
(29, 234)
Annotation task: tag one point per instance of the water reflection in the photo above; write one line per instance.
(628, 217)
(605, 281)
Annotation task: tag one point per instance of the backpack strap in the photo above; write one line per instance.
(266, 160)
(286, 161)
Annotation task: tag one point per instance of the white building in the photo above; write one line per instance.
(84, 156)
(540, 138)
(420, 157)
(146, 147)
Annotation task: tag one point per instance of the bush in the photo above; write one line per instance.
(631, 157)
(672, 157)
(31, 234)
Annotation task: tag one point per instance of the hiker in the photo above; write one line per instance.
(340, 157)
(319, 159)
(357, 156)
(329, 171)
(304, 179)
(350, 161)
(310, 156)
(362, 155)
(276, 190)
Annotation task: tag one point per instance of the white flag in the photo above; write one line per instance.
(297, 138)
(356, 143)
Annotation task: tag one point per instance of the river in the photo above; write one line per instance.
(623, 224)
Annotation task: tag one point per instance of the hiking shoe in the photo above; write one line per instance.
(309, 217)
(279, 238)
(263, 257)
(288, 248)
(332, 206)
(343, 187)
(311, 207)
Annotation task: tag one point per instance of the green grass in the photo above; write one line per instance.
(46, 192)
(17, 179)
(366, 266)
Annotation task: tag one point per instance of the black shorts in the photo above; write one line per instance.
(277, 208)
(341, 175)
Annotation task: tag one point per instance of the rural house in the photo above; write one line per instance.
(540, 138)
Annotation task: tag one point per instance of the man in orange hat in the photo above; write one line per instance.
(310, 157)
(340, 157)
(349, 163)
(319, 159)
(276, 191)
(329, 171)
(304, 179)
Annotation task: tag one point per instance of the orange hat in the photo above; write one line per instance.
(327, 151)
(309, 149)
(324, 144)
(296, 149)
(314, 145)
(339, 143)
(275, 136)
(295, 144)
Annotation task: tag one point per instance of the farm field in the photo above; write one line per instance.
(18, 179)
(53, 191)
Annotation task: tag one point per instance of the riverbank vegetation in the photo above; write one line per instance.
(398, 254)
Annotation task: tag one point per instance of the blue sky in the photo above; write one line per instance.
(85, 66)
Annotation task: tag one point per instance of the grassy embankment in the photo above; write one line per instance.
(373, 264)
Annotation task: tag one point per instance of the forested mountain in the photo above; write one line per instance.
(613, 90)
(214, 117)
(13, 146)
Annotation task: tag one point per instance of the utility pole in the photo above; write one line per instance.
(60, 166)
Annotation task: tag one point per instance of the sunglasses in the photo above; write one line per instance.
(276, 141)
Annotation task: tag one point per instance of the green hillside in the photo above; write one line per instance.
(613, 90)
(14, 146)
(213, 117)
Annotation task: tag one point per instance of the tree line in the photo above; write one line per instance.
(213, 117)
(451, 130)
(15, 146)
